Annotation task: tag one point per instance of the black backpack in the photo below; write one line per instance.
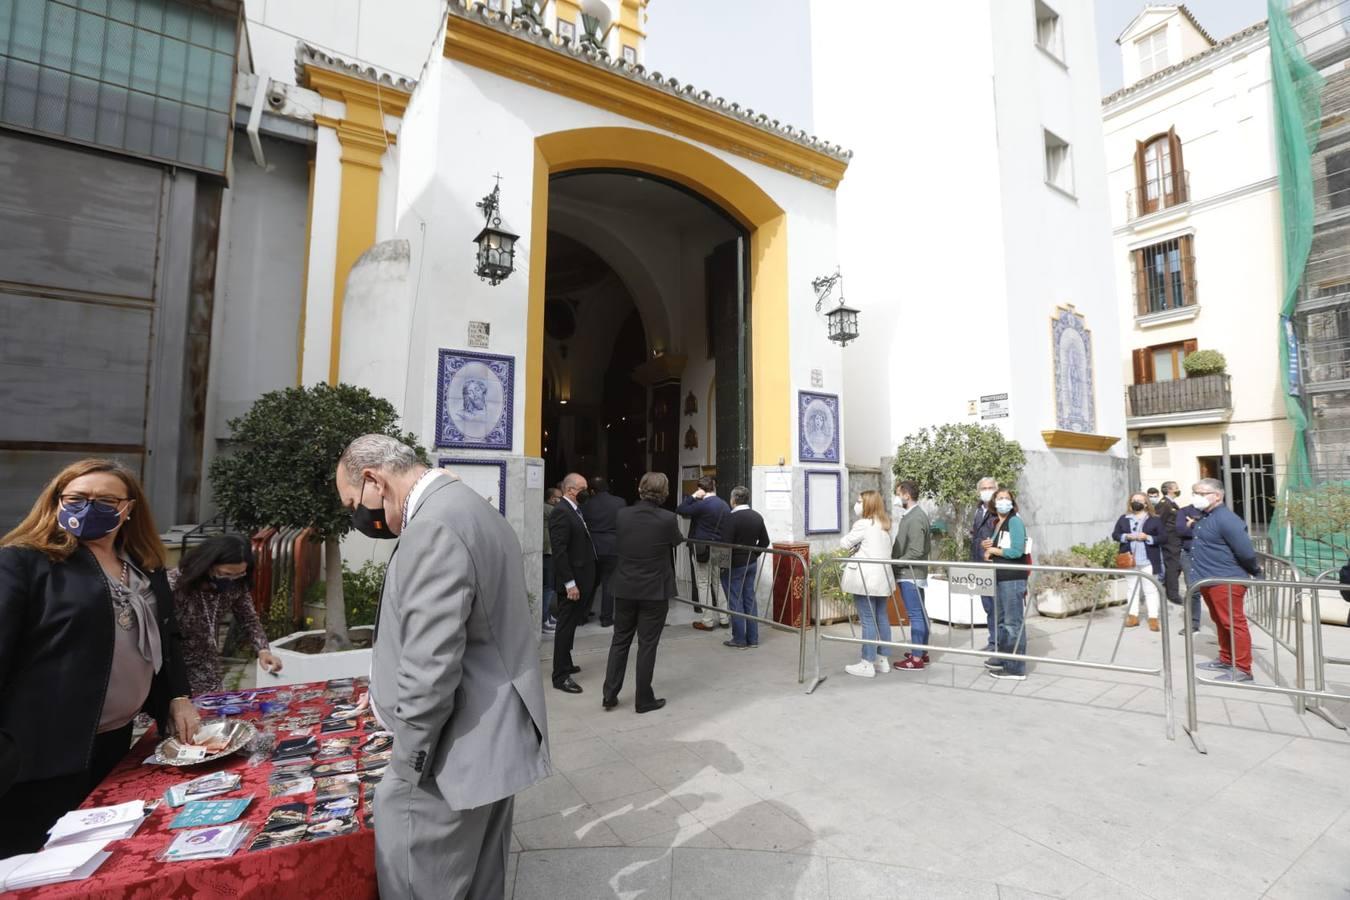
(1345, 579)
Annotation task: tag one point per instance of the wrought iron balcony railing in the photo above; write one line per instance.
(1158, 193)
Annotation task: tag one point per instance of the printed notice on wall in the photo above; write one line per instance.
(994, 406)
(479, 334)
(777, 481)
(534, 476)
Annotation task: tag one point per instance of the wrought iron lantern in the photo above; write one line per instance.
(496, 245)
(842, 321)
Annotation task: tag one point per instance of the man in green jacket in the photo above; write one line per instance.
(912, 539)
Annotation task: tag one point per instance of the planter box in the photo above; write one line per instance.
(1058, 606)
(954, 609)
(299, 668)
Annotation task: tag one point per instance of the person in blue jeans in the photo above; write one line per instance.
(871, 584)
(742, 527)
(1008, 543)
(980, 529)
(912, 533)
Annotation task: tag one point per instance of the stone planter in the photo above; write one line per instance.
(299, 668)
(953, 608)
(1057, 605)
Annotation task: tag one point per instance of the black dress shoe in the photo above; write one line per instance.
(653, 706)
(569, 686)
(575, 669)
(606, 623)
(609, 704)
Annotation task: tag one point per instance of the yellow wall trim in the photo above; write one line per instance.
(549, 69)
(364, 141)
(739, 196)
(1074, 440)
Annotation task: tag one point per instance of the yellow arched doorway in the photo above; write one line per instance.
(731, 189)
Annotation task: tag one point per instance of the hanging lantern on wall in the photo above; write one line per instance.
(842, 321)
(496, 244)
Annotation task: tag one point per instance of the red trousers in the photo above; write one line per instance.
(1235, 640)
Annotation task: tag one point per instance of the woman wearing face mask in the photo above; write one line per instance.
(871, 584)
(1008, 543)
(211, 577)
(1139, 533)
(88, 639)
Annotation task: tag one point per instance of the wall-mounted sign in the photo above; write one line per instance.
(480, 334)
(994, 406)
(972, 581)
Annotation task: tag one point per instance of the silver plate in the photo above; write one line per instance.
(237, 733)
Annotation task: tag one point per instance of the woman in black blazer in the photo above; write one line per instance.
(1140, 533)
(87, 640)
(643, 584)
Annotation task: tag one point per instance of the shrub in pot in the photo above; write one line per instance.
(1060, 594)
(1204, 362)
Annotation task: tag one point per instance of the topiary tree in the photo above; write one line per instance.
(948, 460)
(1204, 362)
(281, 471)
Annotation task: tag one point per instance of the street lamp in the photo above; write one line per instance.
(842, 321)
(496, 245)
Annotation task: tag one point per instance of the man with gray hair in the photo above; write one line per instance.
(981, 528)
(1222, 549)
(454, 674)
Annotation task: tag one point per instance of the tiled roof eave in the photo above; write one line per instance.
(1164, 74)
(309, 55)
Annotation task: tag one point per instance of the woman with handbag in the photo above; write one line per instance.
(1140, 533)
(871, 584)
(1009, 543)
(88, 639)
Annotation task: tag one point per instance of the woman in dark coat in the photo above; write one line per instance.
(1140, 533)
(643, 584)
(88, 639)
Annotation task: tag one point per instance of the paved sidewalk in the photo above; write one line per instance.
(939, 784)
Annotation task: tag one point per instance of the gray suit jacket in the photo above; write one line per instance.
(455, 674)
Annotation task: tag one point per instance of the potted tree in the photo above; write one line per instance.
(948, 461)
(280, 473)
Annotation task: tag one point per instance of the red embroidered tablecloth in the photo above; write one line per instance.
(337, 867)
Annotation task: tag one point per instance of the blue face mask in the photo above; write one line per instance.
(1003, 506)
(88, 520)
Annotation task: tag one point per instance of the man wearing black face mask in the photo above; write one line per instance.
(454, 675)
(1166, 509)
(574, 563)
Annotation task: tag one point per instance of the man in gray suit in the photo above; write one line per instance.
(454, 676)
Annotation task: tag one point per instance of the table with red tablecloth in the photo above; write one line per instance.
(341, 866)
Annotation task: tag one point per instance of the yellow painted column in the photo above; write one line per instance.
(364, 141)
(629, 27)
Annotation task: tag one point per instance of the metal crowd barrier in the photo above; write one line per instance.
(719, 573)
(1277, 602)
(1163, 670)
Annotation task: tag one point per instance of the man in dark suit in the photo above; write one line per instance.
(644, 582)
(745, 528)
(574, 574)
(600, 512)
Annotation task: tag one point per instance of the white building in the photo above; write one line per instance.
(1195, 210)
(972, 218)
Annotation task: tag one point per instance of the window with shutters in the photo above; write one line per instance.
(1164, 276)
(1162, 362)
(1160, 179)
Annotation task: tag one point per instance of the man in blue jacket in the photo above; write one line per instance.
(1222, 549)
(704, 510)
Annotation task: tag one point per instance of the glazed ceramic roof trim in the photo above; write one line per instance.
(309, 55)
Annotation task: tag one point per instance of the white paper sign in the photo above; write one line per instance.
(778, 481)
(778, 500)
(534, 476)
(972, 581)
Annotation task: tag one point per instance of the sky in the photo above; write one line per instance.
(1219, 17)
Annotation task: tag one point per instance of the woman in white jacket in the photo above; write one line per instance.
(871, 584)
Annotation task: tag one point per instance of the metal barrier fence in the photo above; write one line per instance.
(723, 579)
(1279, 606)
(970, 572)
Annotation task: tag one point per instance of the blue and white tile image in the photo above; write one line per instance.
(817, 427)
(475, 395)
(1075, 403)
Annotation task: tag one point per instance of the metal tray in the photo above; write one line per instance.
(237, 731)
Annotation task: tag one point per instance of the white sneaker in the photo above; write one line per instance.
(883, 665)
(862, 668)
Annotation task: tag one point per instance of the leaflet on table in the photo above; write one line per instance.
(67, 862)
(200, 788)
(210, 812)
(99, 823)
(206, 843)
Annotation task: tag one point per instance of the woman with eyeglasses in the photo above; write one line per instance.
(211, 578)
(88, 639)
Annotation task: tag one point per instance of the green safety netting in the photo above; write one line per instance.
(1298, 116)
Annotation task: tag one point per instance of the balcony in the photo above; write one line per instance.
(1182, 401)
(1326, 365)
(1158, 194)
